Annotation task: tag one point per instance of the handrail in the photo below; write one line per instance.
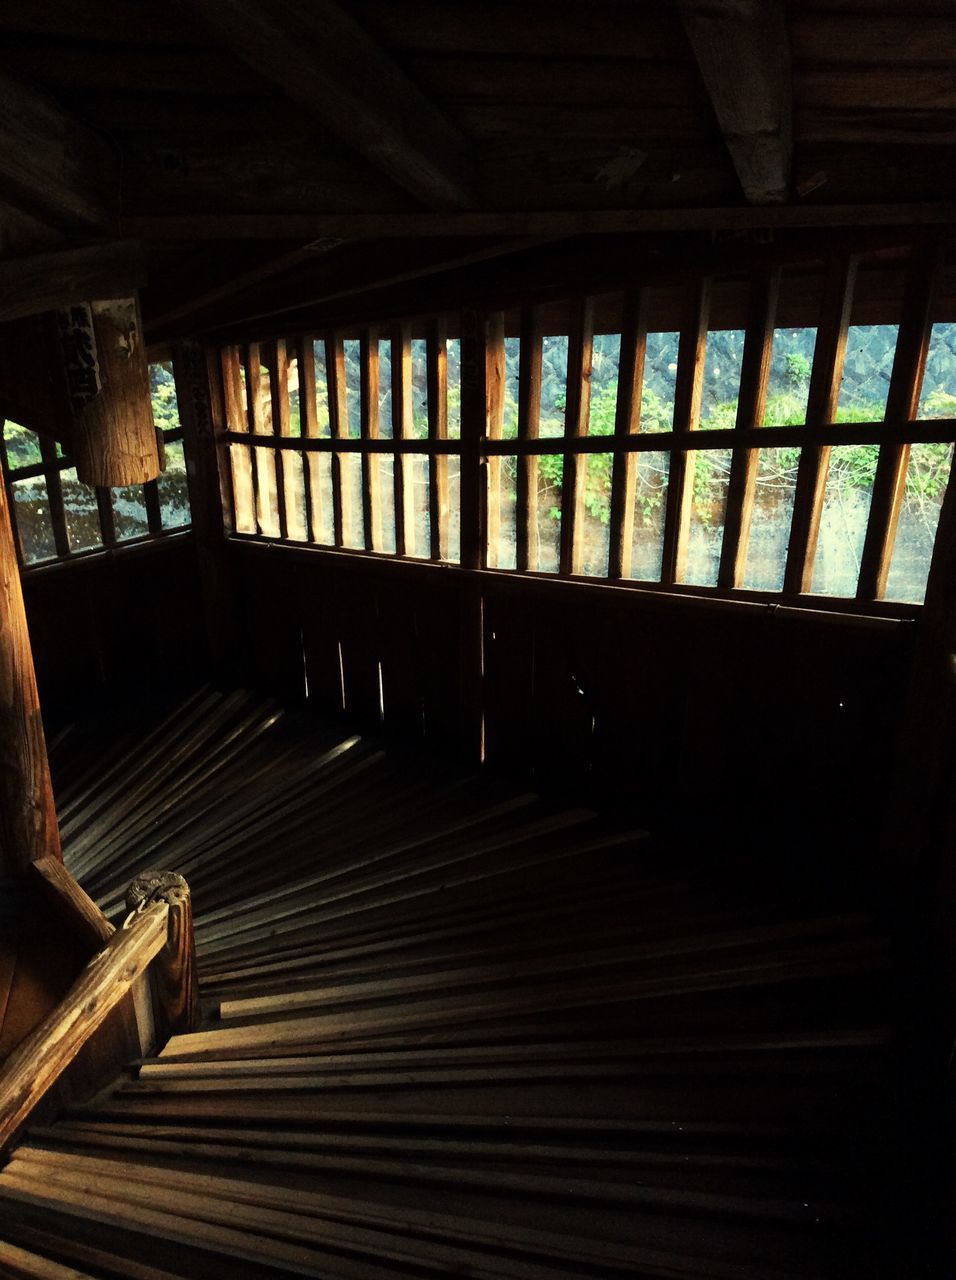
(155, 944)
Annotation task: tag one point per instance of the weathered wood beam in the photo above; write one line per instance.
(46, 281)
(743, 51)
(53, 166)
(321, 58)
(548, 222)
(28, 827)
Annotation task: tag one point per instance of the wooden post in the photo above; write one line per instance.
(104, 355)
(28, 829)
(175, 988)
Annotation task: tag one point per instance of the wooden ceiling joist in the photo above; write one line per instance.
(46, 281)
(322, 59)
(743, 52)
(53, 166)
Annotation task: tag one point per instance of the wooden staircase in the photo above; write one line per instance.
(451, 1029)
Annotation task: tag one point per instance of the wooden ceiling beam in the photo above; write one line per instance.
(51, 165)
(41, 282)
(743, 51)
(321, 58)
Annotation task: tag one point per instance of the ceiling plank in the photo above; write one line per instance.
(41, 282)
(743, 52)
(325, 61)
(51, 165)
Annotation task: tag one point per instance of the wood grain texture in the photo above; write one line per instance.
(75, 907)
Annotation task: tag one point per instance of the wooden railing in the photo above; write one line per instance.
(145, 968)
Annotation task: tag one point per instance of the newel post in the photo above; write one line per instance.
(173, 973)
(28, 828)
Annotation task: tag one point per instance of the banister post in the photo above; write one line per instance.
(173, 975)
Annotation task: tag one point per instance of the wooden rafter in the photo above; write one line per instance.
(742, 50)
(51, 165)
(325, 61)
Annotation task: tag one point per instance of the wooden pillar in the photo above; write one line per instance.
(28, 829)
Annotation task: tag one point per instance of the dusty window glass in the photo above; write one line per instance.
(34, 526)
(554, 385)
(129, 513)
(321, 390)
(650, 504)
(660, 379)
(846, 509)
(263, 407)
(352, 350)
(454, 510)
(320, 492)
(386, 493)
(927, 475)
(295, 408)
(22, 446)
(454, 389)
(546, 514)
(501, 475)
(769, 541)
(709, 477)
(293, 487)
(417, 471)
(938, 393)
(509, 417)
(867, 366)
(419, 388)
(173, 489)
(385, 425)
(267, 504)
(162, 387)
(81, 511)
(721, 385)
(353, 523)
(605, 366)
(594, 535)
(788, 386)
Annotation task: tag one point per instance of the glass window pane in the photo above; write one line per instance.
(129, 513)
(593, 537)
(554, 384)
(263, 414)
(789, 384)
(419, 388)
(320, 479)
(938, 393)
(244, 499)
(267, 505)
(321, 390)
(650, 505)
(846, 508)
(417, 471)
(454, 510)
(82, 514)
(34, 525)
(353, 385)
(509, 429)
(660, 378)
(173, 490)
(454, 389)
(22, 446)
(709, 477)
(604, 380)
(293, 486)
(162, 387)
(386, 481)
(927, 476)
(718, 402)
(353, 519)
(502, 491)
(770, 522)
(295, 408)
(867, 366)
(547, 511)
(386, 427)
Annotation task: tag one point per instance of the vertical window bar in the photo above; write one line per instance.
(822, 400)
(339, 425)
(8, 486)
(241, 457)
(219, 424)
(474, 408)
(580, 357)
(371, 499)
(51, 473)
(494, 425)
(754, 375)
(154, 517)
(437, 373)
(402, 429)
(310, 427)
(529, 414)
(902, 403)
(279, 387)
(687, 393)
(252, 365)
(627, 422)
(104, 505)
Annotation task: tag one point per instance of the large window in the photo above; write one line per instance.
(782, 434)
(56, 517)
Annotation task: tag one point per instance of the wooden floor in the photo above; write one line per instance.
(452, 1029)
